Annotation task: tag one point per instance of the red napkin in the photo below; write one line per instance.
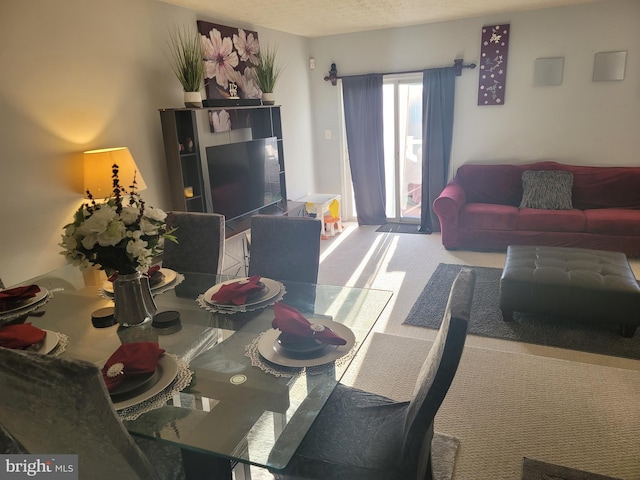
(20, 336)
(237, 292)
(129, 360)
(153, 269)
(12, 295)
(155, 275)
(298, 329)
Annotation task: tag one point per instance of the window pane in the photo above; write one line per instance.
(388, 101)
(410, 138)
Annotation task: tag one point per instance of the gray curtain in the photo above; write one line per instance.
(438, 92)
(363, 121)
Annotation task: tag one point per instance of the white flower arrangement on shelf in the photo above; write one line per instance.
(118, 235)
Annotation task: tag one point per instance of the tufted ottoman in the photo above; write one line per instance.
(590, 285)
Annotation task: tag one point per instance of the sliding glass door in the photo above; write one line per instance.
(402, 104)
(402, 96)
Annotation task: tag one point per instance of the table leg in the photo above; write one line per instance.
(242, 471)
(279, 422)
(320, 215)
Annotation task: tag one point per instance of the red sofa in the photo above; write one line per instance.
(479, 209)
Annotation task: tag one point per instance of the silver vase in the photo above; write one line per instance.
(134, 303)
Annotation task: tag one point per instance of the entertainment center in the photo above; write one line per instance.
(227, 160)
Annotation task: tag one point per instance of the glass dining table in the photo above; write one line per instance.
(244, 402)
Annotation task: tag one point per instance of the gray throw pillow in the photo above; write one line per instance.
(546, 190)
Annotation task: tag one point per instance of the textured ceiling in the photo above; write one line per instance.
(316, 18)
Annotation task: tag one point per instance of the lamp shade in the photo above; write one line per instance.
(98, 166)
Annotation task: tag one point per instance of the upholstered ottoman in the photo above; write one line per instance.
(589, 285)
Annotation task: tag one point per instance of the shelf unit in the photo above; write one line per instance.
(187, 132)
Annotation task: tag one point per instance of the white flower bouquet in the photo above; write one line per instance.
(117, 235)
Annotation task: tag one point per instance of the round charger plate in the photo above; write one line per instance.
(269, 348)
(50, 342)
(168, 277)
(270, 290)
(167, 371)
(42, 294)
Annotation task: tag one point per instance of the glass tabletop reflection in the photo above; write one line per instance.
(238, 405)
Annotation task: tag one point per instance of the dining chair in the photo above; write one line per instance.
(285, 248)
(8, 444)
(200, 246)
(53, 405)
(362, 435)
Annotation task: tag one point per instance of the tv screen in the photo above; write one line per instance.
(244, 176)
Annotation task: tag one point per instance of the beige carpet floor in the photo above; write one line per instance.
(504, 406)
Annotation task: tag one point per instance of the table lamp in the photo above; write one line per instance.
(98, 171)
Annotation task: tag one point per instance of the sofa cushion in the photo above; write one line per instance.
(613, 221)
(488, 216)
(537, 220)
(547, 190)
(606, 187)
(497, 184)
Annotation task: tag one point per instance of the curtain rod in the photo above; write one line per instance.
(457, 65)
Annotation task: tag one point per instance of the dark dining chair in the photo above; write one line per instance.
(8, 444)
(362, 435)
(200, 246)
(53, 405)
(285, 248)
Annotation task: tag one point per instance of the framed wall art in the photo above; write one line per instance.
(493, 64)
(230, 57)
(548, 71)
(227, 120)
(609, 66)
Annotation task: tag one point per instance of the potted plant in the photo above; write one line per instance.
(267, 73)
(186, 56)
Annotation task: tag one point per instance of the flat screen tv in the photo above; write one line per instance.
(244, 176)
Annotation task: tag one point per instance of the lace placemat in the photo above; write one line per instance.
(266, 366)
(157, 291)
(182, 380)
(230, 309)
(63, 341)
(23, 311)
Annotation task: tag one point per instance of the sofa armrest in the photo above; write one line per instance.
(449, 202)
(447, 206)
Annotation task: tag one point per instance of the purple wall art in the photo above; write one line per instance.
(493, 64)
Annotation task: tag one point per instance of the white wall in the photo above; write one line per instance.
(84, 74)
(578, 122)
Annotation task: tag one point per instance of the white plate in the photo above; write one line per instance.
(41, 295)
(268, 348)
(169, 276)
(49, 343)
(168, 367)
(271, 289)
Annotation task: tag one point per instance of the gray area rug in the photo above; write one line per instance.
(537, 470)
(486, 318)
(400, 228)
